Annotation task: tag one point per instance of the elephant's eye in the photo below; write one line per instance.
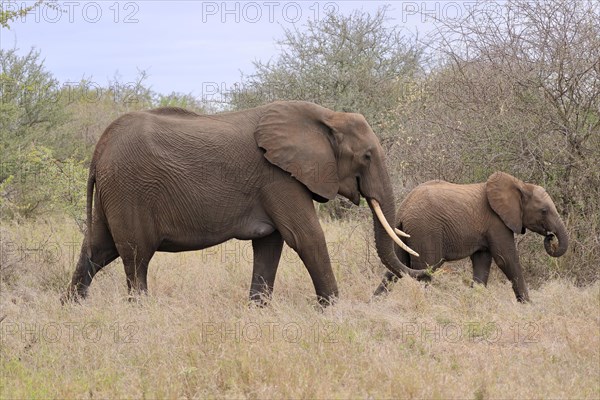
(544, 211)
(367, 156)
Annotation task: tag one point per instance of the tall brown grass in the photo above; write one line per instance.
(194, 335)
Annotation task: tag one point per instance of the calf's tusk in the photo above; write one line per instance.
(400, 233)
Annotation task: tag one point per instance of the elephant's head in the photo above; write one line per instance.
(525, 206)
(334, 153)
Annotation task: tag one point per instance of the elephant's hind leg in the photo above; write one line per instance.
(267, 252)
(135, 260)
(482, 261)
(103, 253)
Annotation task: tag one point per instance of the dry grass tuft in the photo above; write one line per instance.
(194, 336)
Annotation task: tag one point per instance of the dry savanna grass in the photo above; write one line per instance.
(194, 335)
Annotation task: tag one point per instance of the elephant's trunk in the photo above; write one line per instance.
(558, 230)
(385, 244)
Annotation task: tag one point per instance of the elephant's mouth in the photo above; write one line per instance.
(551, 242)
(540, 230)
(361, 192)
(355, 198)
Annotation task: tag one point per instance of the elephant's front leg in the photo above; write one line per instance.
(507, 259)
(291, 208)
(312, 249)
(136, 256)
(267, 252)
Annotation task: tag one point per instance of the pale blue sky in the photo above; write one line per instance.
(184, 46)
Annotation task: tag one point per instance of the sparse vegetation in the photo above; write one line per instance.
(195, 336)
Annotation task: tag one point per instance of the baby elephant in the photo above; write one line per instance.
(448, 222)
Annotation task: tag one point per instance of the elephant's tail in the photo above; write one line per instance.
(90, 196)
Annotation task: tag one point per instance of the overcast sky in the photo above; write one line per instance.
(184, 46)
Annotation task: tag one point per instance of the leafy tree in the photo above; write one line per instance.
(32, 180)
(29, 106)
(37, 184)
(522, 86)
(350, 62)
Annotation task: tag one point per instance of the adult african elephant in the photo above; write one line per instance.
(171, 180)
(448, 222)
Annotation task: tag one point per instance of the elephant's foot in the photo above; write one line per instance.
(259, 300)
(476, 282)
(258, 304)
(73, 295)
(133, 298)
(136, 296)
(523, 299)
(326, 301)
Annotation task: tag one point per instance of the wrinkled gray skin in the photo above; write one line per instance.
(171, 180)
(451, 222)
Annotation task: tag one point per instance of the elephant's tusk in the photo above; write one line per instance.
(400, 233)
(389, 229)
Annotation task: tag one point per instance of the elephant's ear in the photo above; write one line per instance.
(298, 139)
(505, 195)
